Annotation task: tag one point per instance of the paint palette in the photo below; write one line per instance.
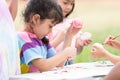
(103, 64)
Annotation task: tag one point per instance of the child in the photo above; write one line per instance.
(100, 52)
(37, 55)
(9, 57)
(58, 34)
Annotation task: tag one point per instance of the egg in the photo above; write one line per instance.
(85, 36)
(98, 44)
(77, 23)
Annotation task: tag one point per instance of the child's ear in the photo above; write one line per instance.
(36, 18)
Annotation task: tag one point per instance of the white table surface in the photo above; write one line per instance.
(74, 71)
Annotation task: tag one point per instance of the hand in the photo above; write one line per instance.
(70, 52)
(72, 30)
(57, 38)
(98, 51)
(108, 39)
(111, 41)
(83, 42)
(61, 35)
(85, 39)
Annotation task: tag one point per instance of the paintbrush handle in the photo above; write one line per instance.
(116, 36)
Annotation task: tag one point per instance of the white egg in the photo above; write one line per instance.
(98, 44)
(85, 36)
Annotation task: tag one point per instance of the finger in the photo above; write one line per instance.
(110, 38)
(94, 56)
(96, 47)
(93, 50)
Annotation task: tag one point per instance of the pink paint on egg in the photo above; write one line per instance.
(77, 23)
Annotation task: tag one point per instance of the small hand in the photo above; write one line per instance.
(72, 30)
(84, 42)
(70, 52)
(111, 41)
(98, 51)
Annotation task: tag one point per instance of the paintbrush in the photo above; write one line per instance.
(67, 62)
(113, 38)
(116, 37)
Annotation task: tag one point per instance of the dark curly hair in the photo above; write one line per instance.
(47, 9)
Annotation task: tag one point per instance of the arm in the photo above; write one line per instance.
(114, 73)
(81, 43)
(113, 58)
(50, 63)
(113, 43)
(69, 36)
(58, 39)
(13, 6)
(67, 41)
(100, 52)
(82, 39)
(79, 47)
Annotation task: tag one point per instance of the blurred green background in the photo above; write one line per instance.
(100, 17)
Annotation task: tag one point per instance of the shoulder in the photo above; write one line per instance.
(49, 46)
(24, 35)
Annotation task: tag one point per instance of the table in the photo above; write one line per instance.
(70, 72)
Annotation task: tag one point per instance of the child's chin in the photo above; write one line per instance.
(40, 37)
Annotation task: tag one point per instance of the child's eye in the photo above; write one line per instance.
(50, 26)
(65, 2)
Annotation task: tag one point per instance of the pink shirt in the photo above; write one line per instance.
(62, 26)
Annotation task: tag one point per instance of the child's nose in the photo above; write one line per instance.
(50, 30)
(68, 7)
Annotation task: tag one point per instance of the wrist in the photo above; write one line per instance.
(106, 55)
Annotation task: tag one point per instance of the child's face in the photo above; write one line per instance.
(43, 28)
(66, 6)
